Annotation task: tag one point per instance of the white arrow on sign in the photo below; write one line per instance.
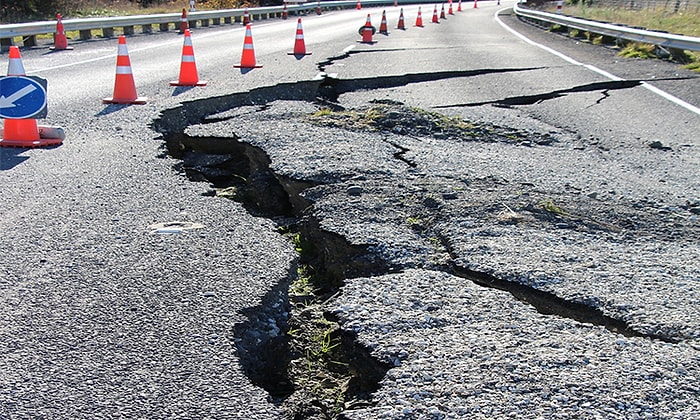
(9, 102)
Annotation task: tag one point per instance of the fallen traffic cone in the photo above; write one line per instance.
(435, 16)
(188, 67)
(459, 6)
(124, 87)
(25, 132)
(401, 24)
(449, 9)
(60, 40)
(382, 26)
(248, 56)
(285, 14)
(246, 17)
(359, 5)
(419, 19)
(299, 46)
(367, 31)
(184, 25)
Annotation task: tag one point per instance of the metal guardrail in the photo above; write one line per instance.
(29, 31)
(666, 40)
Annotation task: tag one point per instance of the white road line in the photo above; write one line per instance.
(595, 69)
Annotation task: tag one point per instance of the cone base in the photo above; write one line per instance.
(367, 42)
(300, 54)
(240, 66)
(60, 49)
(30, 143)
(40, 142)
(178, 83)
(138, 101)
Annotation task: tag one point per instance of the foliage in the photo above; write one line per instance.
(638, 50)
(549, 206)
(684, 23)
(30, 10)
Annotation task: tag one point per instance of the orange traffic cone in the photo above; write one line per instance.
(442, 12)
(449, 9)
(419, 19)
(367, 31)
(401, 24)
(246, 17)
(383, 26)
(435, 15)
(318, 7)
(60, 40)
(188, 67)
(184, 25)
(459, 6)
(359, 5)
(475, 4)
(24, 132)
(299, 46)
(248, 56)
(124, 87)
(285, 14)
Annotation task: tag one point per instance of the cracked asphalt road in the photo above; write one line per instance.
(104, 317)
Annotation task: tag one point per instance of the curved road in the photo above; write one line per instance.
(102, 316)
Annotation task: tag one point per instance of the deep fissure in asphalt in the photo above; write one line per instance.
(242, 172)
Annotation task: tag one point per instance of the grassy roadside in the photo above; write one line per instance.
(683, 23)
(47, 9)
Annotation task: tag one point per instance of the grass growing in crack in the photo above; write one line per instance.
(414, 221)
(549, 206)
(302, 285)
(319, 374)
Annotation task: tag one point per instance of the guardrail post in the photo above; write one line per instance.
(107, 32)
(164, 27)
(29, 41)
(216, 21)
(147, 28)
(205, 23)
(192, 24)
(86, 34)
(227, 20)
(5, 44)
(128, 30)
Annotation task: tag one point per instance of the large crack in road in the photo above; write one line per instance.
(239, 169)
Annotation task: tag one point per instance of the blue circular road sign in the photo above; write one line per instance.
(22, 97)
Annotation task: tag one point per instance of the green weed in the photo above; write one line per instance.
(549, 206)
(638, 50)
